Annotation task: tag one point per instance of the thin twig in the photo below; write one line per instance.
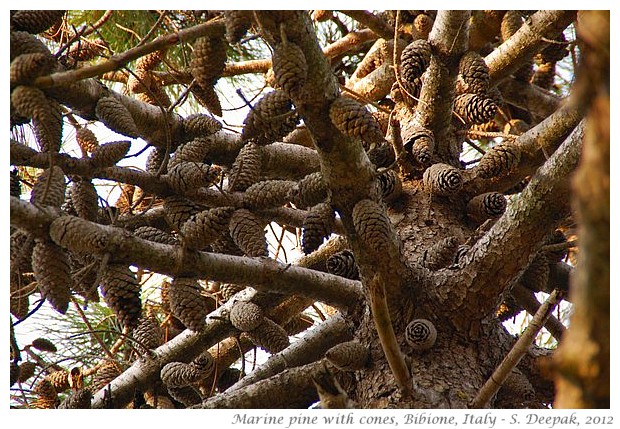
(91, 330)
(517, 352)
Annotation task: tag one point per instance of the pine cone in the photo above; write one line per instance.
(35, 21)
(177, 210)
(156, 235)
(208, 60)
(155, 160)
(511, 23)
(423, 25)
(442, 179)
(108, 154)
(247, 231)
(348, 356)
(390, 186)
(419, 142)
(486, 206)
(115, 116)
(156, 96)
(354, 120)
(51, 269)
(268, 194)
(297, 325)
(59, 379)
(104, 376)
(84, 275)
(14, 373)
(500, 160)
(311, 190)
(85, 199)
(246, 169)
(200, 125)
(140, 81)
(26, 370)
(474, 109)
(373, 226)
(186, 395)
(187, 303)
(270, 336)
(382, 155)
(421, 334)
(555, 256)
(44, 345)
(26, 67)
(151, 60)
(87, 140)
(440, 254)
(45, 113)
(46, 394)
(290, 68)
(24, 43)
(246, 316)
(206, 226)
(121, 292)
(317, 226)
(226, 245)
(227, 290)
(179, 374)
(207, 97)
(238, 22)
(271, 119)
(16, 186)
(414, 60)
(185, 176)
(78, 234)
(554, 52)
(343, 264)
(475, 73)
(148, 334)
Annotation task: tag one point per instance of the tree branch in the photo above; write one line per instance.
(373, 22)
(518, 232)
(266, 274)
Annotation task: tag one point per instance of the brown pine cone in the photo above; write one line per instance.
(372, 226)
(185, 176)
(238, 22)
(421, 334)
(78, 234)
(442, 179)
(115, 116)
(51, 269)
(205, 227)
(354, 120)
(80, 399)
(246, 316)
(49, 189)
(343, 264)
(390, 186)
(419, 142)
(311, 190)
(208, 60)
(156, 235)
(60, 380)
(148, 334)
(104, 375)
(247, 231)
(26, 67)
(316, 227)
(268, 194)
(85, 199)
(227, 290)
(177, 210)
(382, 155)
(348, 356)
(179, 374)
(500, 160)
(24, 43)
(186, 395)
(108, 154)
(155, 160)
(46, 394)
(45, 113)
(269, 336)
(414, 60)
(200, 125)
(121, 292)
(486, 206)
(246, 169)
(26, 370)
(423, 25)
(187, 303)
(151, 60)
(290, 68)
(35, 21)
(475, 73)
(474, 109)
(86, 139)
(271, 119)
(207, 97)
(44, 345)
(536, 274)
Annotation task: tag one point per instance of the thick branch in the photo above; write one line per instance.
(376, 24)
(527, 41)
(486, 271)
(262, 274)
